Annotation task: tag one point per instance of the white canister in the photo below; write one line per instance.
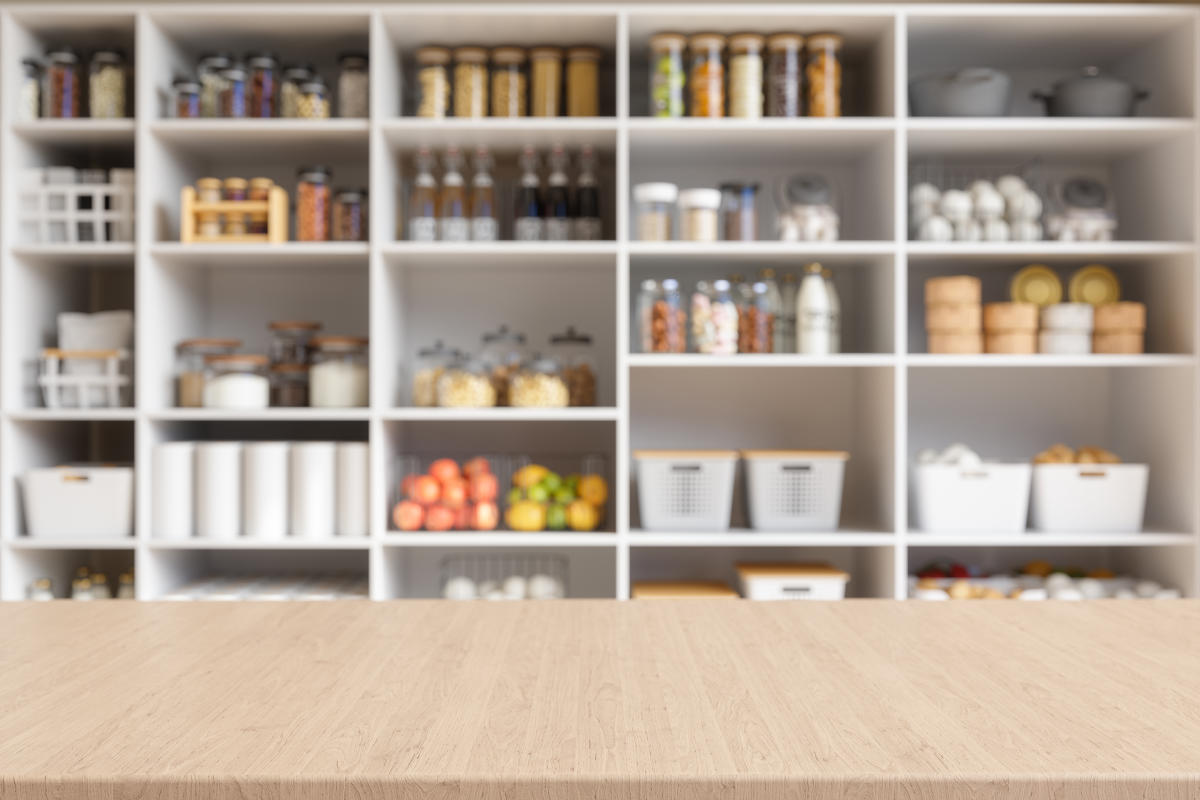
(1075, 317)
(171, 499)
(353, 488)
(265, 488)
(313, 489)
(1064, 343)
(218, 489)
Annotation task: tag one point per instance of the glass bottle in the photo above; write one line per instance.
(647, 293)
(313, 201)
(186, 94)
(294, 76)
(835, 312)
(232, 101)
(529, 225)
(588, 227)
(707, 76)
(484, 226)
(667, 78)
(106, 85)
(774, 308)
(784, 82)
(264, 85)
(558, 199)
(453, 216)
(31, 90)
(422, 206)
(62, 84)
(813, 313)
(353, 86)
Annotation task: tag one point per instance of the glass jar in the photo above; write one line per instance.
(260, 192)
(823, 73)
(756, 321)
(508, 82)
(264, 85)
(466, 383)
(714, 319)
(470, 82)
(707, 75)
(312, 204)
(62, 79)
(739, 212)
(350, 215)
(539, 384)
(746, 75)
(667, 78)
(234, 190)
(354, 95)
(338, 378)
(185, 96)
(232, 100)
(546, 66)
(574, 353)
(432, 363)
(583, 81)
(236, 381)
(294, 77)
(106, 85)
(313, 101)
(31, 90)
(212, 82)
(189, 371)
(663, 319)
(208, 223)
(784, 82)
(41, 590)
(433, 91)
(654, 205)
(698, 215)
(503, 354)
(289, 385)
(290, 340)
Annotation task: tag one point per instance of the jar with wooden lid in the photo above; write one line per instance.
(338, 378)
(573, 350)
(667, 75)
(350, 215)
(290, 341)
(313, 101)
(583, 81)
(259, 191)
(784, 81)
(235, 190)
(106, 85)
(508, 82)
(63, 89)
(185, 102)
(189, 371)
(707, 75)
(746, 75)
(433, 82)
(236, 381)
(313, 204)
(823, 74)
(264, 85)
(289, 385)
(232, 100)
(353, 86)
(470, 82)
(546, 66)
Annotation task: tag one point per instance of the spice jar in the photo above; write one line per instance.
(185, 99)
(746, 75)
(470, 82)
(539, 384)
(756, 321)
(433, 91)
(234, 189)
(784, 53)
(574, 354)
(189, 378)
(212, 82)
(583, 81)
(232, 100)
(350, 215)
(823, 72)
(312, 205)
(264, 85)
(338, 378)
(31, 90)
(260, 192)
(236, 381)
(290, 341)
(289, 385)
(508, 82)
(106, 85)
(466, 384)
(354, 96)
(739, 212)
(546, 65)
(667, 78)
(707, 75)
(663, 320)
(62, 83)
(432, 363)
(655, 209)
(714, 319)
(698, 215)
(289, 89)
(503, 354)
(313, 101)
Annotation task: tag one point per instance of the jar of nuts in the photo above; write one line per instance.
(756, 320)
(432, 363)
(823, 72)
(546, 65)
(539, 384)
(433, 82)
(312, 204)
(707, 75)
(470, 82)
(106, 85)
(466, 384)
(663, 321)
(508, 82)
(573, 350)
(503, 354)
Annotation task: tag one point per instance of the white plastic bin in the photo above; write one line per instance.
(984, 498)
(794, 490)
(171, 500)
(792, 581)
(685, 490)
(265, 490)
(79, 502)
(313, 489)
(218, 490)
(1096, 498)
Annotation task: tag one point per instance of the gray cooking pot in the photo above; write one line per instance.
(1092, 94)
(967, 92)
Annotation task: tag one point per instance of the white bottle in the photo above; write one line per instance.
(813, 313)
(835, 313)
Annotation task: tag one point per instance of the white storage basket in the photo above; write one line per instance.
(794, 490)
(100, 379)
(1096, 498)
(792, 582)
(83, 502)
(685, 490)
(985, 498)
(59, 205)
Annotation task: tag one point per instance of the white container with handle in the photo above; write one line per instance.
(1092, 498)
(79, 502)
(980, 498)
(794, 490)
(172, 496)
(685, 490)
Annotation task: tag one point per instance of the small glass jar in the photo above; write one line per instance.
(746, 75)
(264, 85)
(714, 318)
(823, 74)
(707, 75)
(259, 192)
(784, 83)
(354, 95)
(106, 85)
(62, 78)
(433, 90)
(236, 381)
(503, 354)
(667, 76)
(41, 590)
(234, 189)
(212, 82)
(583, 82)
(31, 90)
(313, 204)
(432, 363)
(739, 212)
(290, 340)
(698, 215)
(508, 82)
(663, 318)
(289, 385)
(208, 223)
(654, 205)
(546, 66)
(470, 82)
(539, 384)
(313, 102)
(185, 99)
(338, 378)
(125, 587)
(189, 370)
(350, 215)
(466, 383)
(574, 353)
(756, 320)
(232, 101)
(294, 76)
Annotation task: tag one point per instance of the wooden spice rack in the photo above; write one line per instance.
(275, 207)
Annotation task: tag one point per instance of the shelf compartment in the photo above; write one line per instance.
(416, 572)
(499, 134)
(168, 570)
(644, 361)
(258, 133)
(82, 254)
(1035, 539)
(82, 131)
(499, 539)
(23, 565)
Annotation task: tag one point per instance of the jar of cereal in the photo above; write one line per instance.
(503, 353)
(432, 363)
(433, 90)
(707, 75)
(466, 384)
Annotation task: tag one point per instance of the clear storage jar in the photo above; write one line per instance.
(503, 354)
(573, 350)
(289, 385)
(338, 378)
(756, 320)
(784, 81)
(546, 66)
(106, 85)
(470, 82)
(508, 82)
(313, 204)
(260, 191)
(234, 190)
(212, 82)
(62, 78)
(583, 81)
(706, 76)
(746, 75)
(313, 101)
(264, 86)
(667, 76)
(432, 363)
(31, 90)
(466, 383)
(236, 381)
(294, 76)
(350, 215)
(823, 74)
(663, 320)
(714, 318)
(698, 215)
(190, 355)
(739, 212)
(290, 341)
(185, 99)
(539, 384)
(654, 207)
(433, 82)
(232, 100)
(354, 95)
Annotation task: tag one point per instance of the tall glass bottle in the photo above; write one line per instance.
(484, 227)
(422, 205)
(558, 198)
(453, 221)
(587, 227)
(528, 225)
(787, 316)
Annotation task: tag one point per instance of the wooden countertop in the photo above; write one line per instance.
(654, 700)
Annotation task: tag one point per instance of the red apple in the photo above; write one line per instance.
(439, 518)
(462, 518)
(485, 516)
(476, 466)
(426, 490)
(408, 515)
(484, 487)
(454, 493)
(445, 470)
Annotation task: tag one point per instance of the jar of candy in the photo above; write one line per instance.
(312, 204)
(714, 318)
(350, 215)
(667, 77)
(62, 83)
(106, 85)
(707, 75)
(823, 72)
(433, 90)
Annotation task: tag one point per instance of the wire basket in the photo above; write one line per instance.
(505, 576)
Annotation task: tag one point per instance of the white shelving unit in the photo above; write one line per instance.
(882, 400)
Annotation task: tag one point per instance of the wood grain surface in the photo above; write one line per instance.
(599, 699)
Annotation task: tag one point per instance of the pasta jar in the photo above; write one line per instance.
(289, 385)
(106, 85)
(433, 94)
(432, 363)
(583, 81)
(470, 82)
(338, 378)
(313, 101)
(290, 341)
(260, 192)
(746, 75)
(503, 354)
(264, 85)
(350, 215)
(312, 205)
(546, 65)
(212, 82)
(62, 83)
(707, 75)
(185, 99)
(574, 353)
(31, 89)
(739, 212)
(236, 381)
(714, 319)
(698, 215)
(294, 77)
(354, 96)
(232, 101)
(667, 78)
(234, 190)
(539, 384)
(190, 356)
(756, 320)
(784, 52)
(508, 82)
(466, 384)
(823, 72)
(663, 319)
(655, 208)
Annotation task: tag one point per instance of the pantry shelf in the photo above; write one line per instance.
(1144, 539)
(72, 414)
(501, 134)
(92, 254)
(500, 539)
(280, 132)
(752, 538)
(705, 253)
(1043, 251)
(23, 543)
(260, 544)
(77, 131)
(560, 255)
(665, 360)
(286, 254)
(507, 414)
(1094, 360)
(1033, 138)
(262, 415)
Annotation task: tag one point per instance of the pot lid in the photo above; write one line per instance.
(1085, 193)
(503, 334)
(1092, 76)
(571, 337)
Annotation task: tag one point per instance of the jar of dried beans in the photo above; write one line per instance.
(106, 85)
(470, 82)
(746, 75)
(823, 72)
(784, 53)
(663, 319)
(312, 205)
(756, 321)
(707, 75)
(350, 215)
(264, 85)
(583, 81)
(62, 83)
(508, 82)
(546, 65)
(433, 82)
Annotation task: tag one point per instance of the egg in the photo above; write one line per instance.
(545, 587)
(968, 231)
(990, 205)
(1067, 593)
(979, 187)
(1032, 594)
(1058, 580)
(956, 205)
(1125, 594)
(1025, 231)
(515, 587)
(1147, 588)
(1024, 206)
(460, 587)
(919, 213)
(936, 229)
(995, 230)
(1011, 185)
(495, 595)
(1090, 588)
(487, 587)
(924, 194)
